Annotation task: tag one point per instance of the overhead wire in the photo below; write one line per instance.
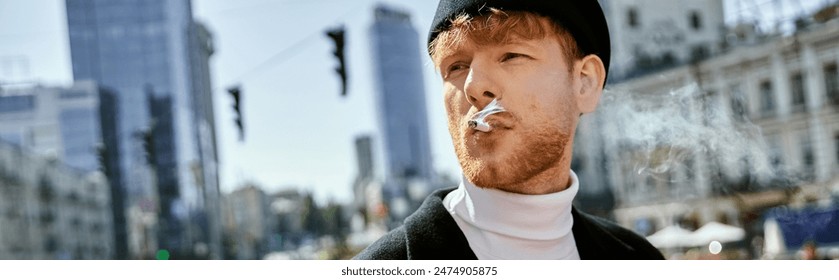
(290, 51)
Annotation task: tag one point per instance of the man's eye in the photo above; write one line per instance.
(457, 66)
(508, 56)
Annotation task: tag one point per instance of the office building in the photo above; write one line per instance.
(400, 102)
(153, 56)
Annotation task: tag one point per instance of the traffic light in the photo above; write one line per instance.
(237, 95)
(337, 36)
(147, 138)
(102, 157)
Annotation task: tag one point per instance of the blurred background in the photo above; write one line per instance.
(291, 129)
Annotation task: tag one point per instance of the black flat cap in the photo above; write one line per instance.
(584, 19)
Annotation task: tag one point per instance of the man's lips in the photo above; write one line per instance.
(502, 120)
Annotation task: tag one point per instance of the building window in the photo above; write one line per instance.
(775, 152)
(831, 83)
(808, 159)
(799, 103)
(17, 103)
(695, 20)
(632, 17)
(738, 102)
(767, 99)
(12, 138)
(699, 53)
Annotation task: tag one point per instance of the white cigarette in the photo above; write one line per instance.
(480, 126)
(478, 123)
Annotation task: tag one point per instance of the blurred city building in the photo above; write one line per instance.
(287, 224)
(154, 57)
(75, 125)
(402, 116)
(780, 88)
(59, 122)
(652, 35)
(369, 210)
(49, 210)
(248, 222)
(288, 206)
(648, 36)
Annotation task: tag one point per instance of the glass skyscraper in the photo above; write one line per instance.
(400, 102)
(153, 57)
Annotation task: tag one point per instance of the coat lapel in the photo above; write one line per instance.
(432, 233)
(593, 241)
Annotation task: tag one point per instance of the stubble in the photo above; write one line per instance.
(510, 166)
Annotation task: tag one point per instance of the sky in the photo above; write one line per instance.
(299, 131)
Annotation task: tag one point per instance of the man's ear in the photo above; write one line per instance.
(592, 76)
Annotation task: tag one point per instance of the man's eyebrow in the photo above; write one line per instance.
(448, 53)
(528, 43)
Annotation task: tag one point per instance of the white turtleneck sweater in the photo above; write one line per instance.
(502, 225)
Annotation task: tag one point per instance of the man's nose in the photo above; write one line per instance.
(480, 87)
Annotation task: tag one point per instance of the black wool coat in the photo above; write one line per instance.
(431, 233)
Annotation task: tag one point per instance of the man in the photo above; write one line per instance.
(545, 62)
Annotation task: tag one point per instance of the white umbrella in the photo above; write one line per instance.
(715, 231)
(671, 237)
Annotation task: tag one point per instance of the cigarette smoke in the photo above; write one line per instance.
(661, 133)
(478, 121)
